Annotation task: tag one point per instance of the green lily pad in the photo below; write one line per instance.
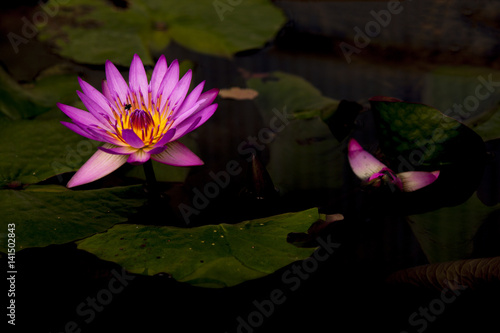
(20, 102)
(306, 156)
(468, 94)
(15, 102)
(303, 154)
(417, 137)
(407, 128)
(52, 214)
(210, 256)
(95, 31)
(462, 92)
(34, 150)
(446, 234)
(488, 129)
(301, 98)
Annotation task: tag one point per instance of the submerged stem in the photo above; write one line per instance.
(151, 183)
(158, 201)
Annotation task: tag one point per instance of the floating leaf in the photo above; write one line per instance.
(95, 31)
(56, 84)
(300, 97)
(303, 154)
(52, 214)
(488, 129)
(34, 150)
(18, 102)
(15, 102)
(417, 137)
(446, 234)
(468, 94)
(461, 93)
(212, 255)
(408, 128)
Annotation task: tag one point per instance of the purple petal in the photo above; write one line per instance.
(415, 180)
(118, 150)
(98, 166)
(203, 102)
(96, 110)
(105, 90)
(80, 131)
(194, 121)
(138, 157)
(157, 150)
(190, 101)
(207, 98)
(96, 96)
(168, 83)
(204, 115)
(83, 117)
(363, 163)
(104, 136)
(166, 138)
(185, 127)
(132, 139)
(179, 118)
(158, 73)
(118, 87)
(180, 91)
(138, 80)
(160, 146)
(177, 154)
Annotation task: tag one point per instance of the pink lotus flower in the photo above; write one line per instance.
(373, 172)
(139, 120)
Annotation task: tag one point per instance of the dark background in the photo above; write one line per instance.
(348, 292)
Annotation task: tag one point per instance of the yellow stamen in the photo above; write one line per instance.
(144, 117)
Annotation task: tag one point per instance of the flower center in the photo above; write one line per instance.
(141, 120)
(385, 176)
(384, 173)
(150, 121)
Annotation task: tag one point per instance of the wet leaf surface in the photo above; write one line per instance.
(210, 256)
(52, 214)
(145, 27)
(417, 137)
(447, 233)
(32, 151)
(303, 152)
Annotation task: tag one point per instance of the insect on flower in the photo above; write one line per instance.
(139, 120)
(367, 168)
